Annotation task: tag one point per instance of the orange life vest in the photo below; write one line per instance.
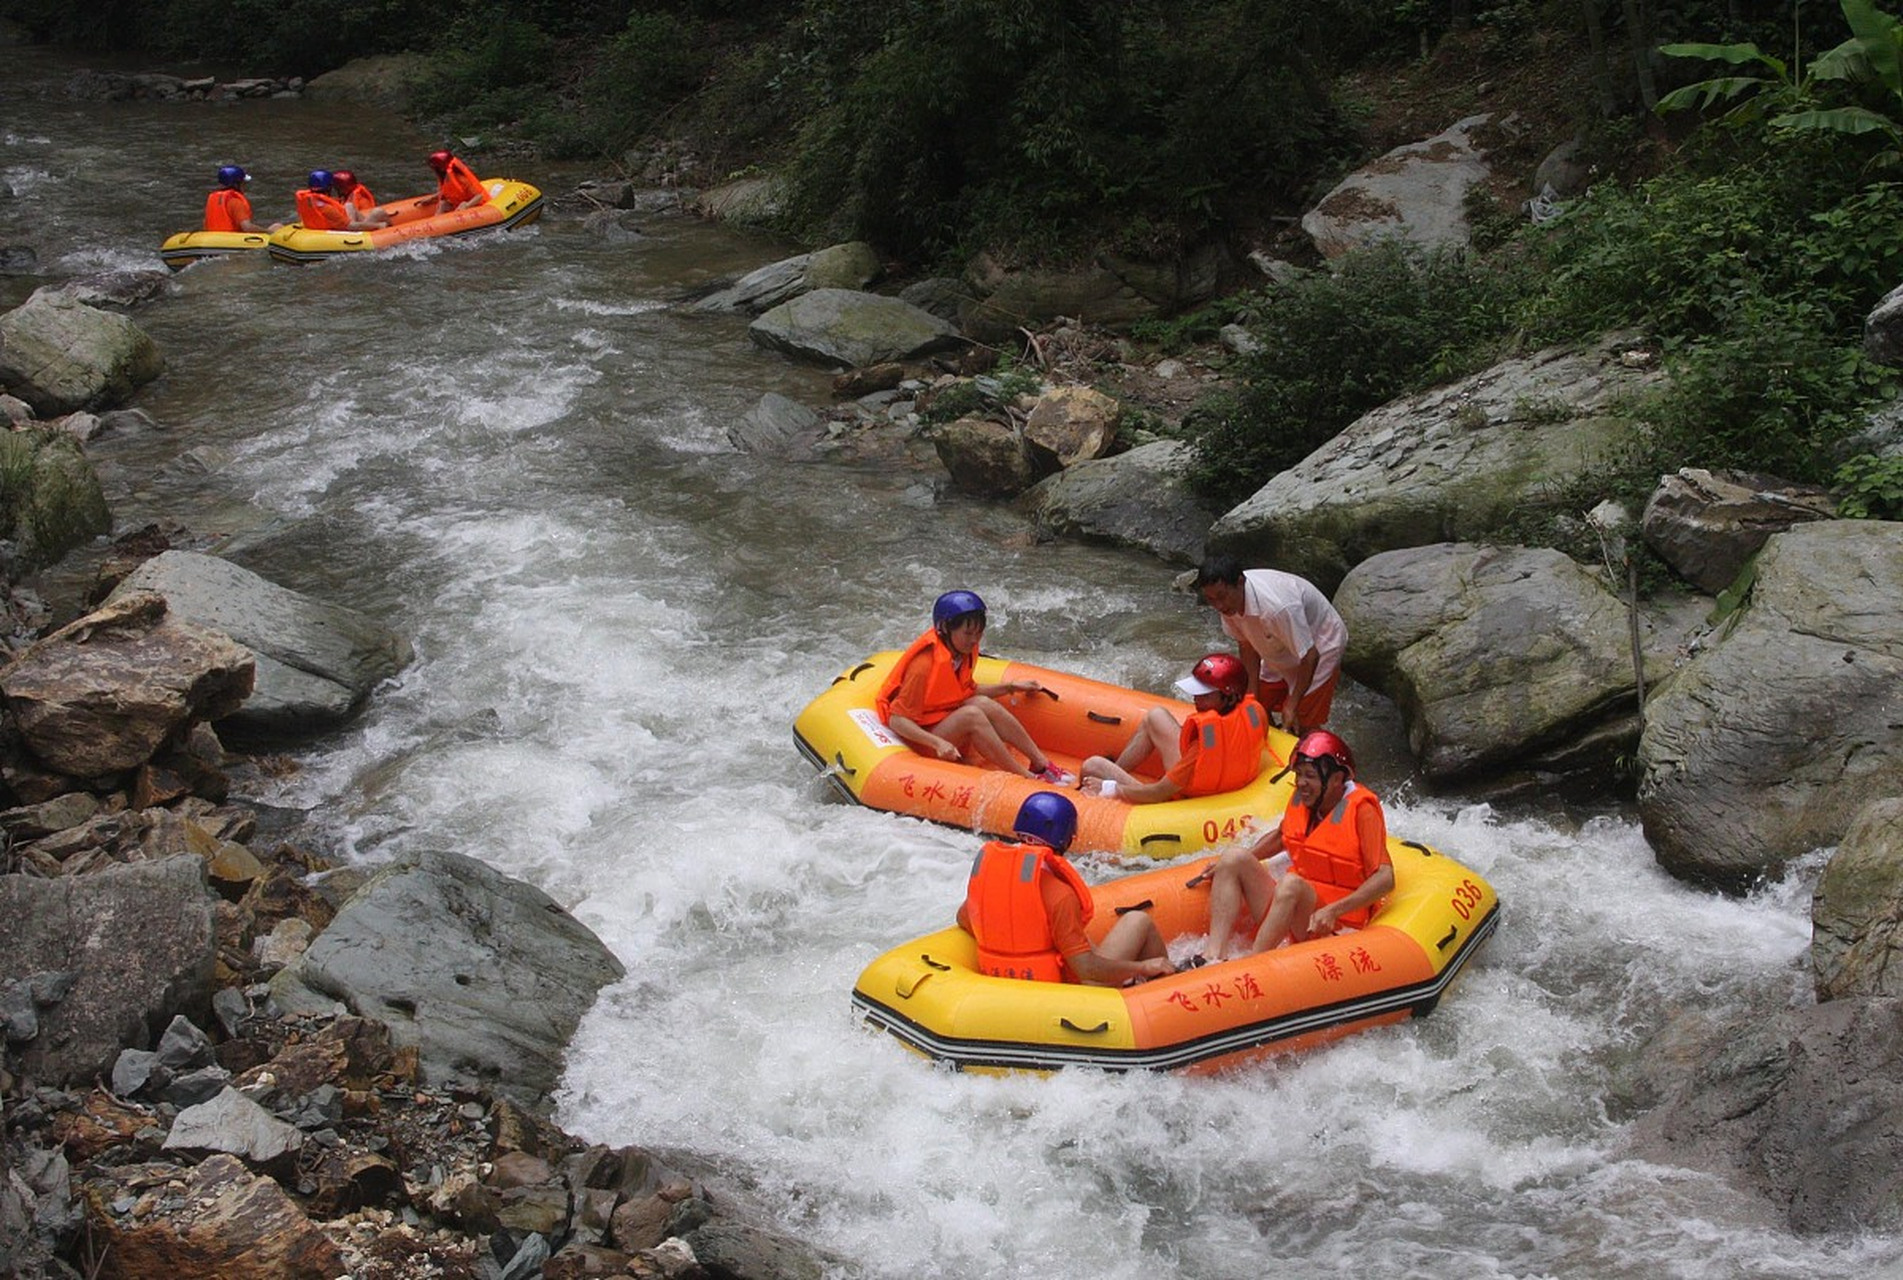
(1229, 751)
(459, 183)
(227, 209)
(946, 686)
(360, 197)
(320, 212)
(1004, 904)
(1329, 856)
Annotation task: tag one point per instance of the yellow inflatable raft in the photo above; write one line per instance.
(841, 733)
(187, 247)
(930, 995)
(510, 204)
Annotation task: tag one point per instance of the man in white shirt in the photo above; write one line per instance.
(1289, 637)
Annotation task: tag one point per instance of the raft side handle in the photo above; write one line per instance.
(942, 968)
(1416, 844)
(853, 674)
(1097, 1030)
(839, 762)
(1102, 717)
(909, 984)
(1148, 904)
(1448, 941)
(1154, 836)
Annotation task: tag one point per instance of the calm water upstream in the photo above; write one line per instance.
(513, 449)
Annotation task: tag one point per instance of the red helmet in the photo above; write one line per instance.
(439, 161)
(1216, 673)
(1322, 745)
(344, 180)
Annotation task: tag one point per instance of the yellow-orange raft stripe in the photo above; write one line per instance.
(929, 994)
(840, 732)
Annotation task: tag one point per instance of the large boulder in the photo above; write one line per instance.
(1804, 1106)
(383, 80)
(985, 457)
(1416, 193)
(1135, 499)
(50, 499)
(104, 693)
(1496, 656)
(1769, 739)
(843, 266)
(213, 1221)
(1111, 291)
(1447, 465)
(1708, 524)
(848, 328)
(1857, 911)
(484, 974)
(60, 355)
(316, 662)
(115, 956)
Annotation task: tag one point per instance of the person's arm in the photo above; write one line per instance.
(1372, 834)
(1298, 689)
(1009, 686)
(924, 740)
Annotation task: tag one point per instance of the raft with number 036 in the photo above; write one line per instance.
(930, 995)
(510, 204)
(841, 733)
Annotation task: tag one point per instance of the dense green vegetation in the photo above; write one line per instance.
(1747, 250)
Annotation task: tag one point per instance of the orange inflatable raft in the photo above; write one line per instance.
(841, 733)
(510, 204)
(929, 994)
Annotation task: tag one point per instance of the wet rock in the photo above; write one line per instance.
(1134, 499)
(849, 328)
(55, 502)
(985, 458)
(60, 355)
(1857, 911)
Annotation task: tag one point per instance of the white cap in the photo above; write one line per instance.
(1190, 687)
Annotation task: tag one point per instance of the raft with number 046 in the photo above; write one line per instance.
(841, 734)
(510, 204)
(929, 993)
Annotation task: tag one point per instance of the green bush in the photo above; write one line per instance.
(1870, 487)
(1387, 320)
(492, 68)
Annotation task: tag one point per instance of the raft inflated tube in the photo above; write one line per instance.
(510, 204)
(841, 734)
(929, 994)
(187, 247)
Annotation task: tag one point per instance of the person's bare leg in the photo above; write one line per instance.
(1238, 879)
(1133, 937)
(1294, 900)
(1157, 733)
(1010, 729)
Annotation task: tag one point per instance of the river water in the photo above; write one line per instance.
(513, 449)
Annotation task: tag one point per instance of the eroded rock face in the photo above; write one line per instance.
(1766, 743)
(485, 975)
(1857, 913)
(60, 355)
(1706, 525)
(1496, 656)
(215, 1220)
(102, 694)
(131, 947)
(1449, 464)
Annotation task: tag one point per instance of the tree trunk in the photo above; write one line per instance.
(1639, 31)
(1601, 68)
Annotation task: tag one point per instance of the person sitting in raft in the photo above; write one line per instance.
(933, 702)
(358, 202)
(1218, 748)
(1337, 844)
(228, 208)
(1027, 907)
(457, 186)
(317, 208)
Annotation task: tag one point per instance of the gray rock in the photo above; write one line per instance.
(138, 939)
(1497, 657)
(316, 662)
(985, 458)
(1449, 464)
(776, 426)
(484, 974)
(852, 266)
(1134, 499)
(134, 1070)
(232, 1124)
(1707, 525)
(1416, 193)
(1766, 743)
(1883, 330)
(848, 328)
(184, 1047)
(60, 355)
(194, 1088)
(1857, 911)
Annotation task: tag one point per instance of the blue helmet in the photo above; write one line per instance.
(954, 605)
(232, 175)
(320, 180)
(1047, 818)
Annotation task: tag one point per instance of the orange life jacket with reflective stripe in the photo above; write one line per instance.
(1329, 856)
(360, 197)
(1004, 903)
(946, 686)
(320, 212)
(227, 209)
(1230, 750)
(459, 182)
